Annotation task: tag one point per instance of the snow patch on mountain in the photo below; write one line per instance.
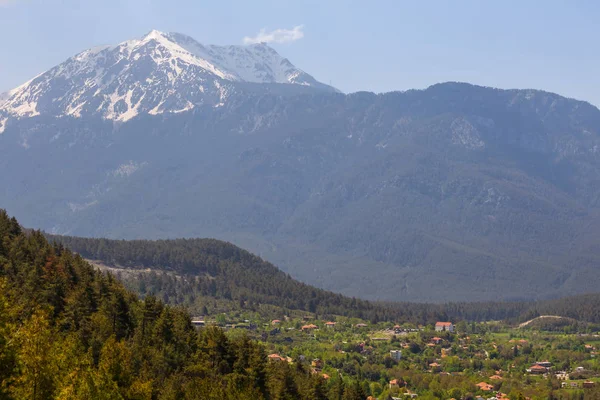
(76, 207)
(128, 168)
(3, 98)
(158, 73)
(257, 63)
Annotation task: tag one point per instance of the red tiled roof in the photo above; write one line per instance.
(443, 323)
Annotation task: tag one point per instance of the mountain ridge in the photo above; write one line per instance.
(456, 192)
(158, 73)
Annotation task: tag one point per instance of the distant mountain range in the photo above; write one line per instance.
(456, 192)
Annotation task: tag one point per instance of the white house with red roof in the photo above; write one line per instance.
(444, 326)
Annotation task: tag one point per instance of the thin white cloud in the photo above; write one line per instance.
(276, 36)
(5, 2)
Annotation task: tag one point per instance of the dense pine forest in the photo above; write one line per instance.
(196, 272)
(68, 331)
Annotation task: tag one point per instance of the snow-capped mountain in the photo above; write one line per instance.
(158, 73)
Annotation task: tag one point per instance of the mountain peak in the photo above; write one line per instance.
(153, 34)
(159, 72)
(158, 36)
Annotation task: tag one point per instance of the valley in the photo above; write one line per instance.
(299, 201)
(253, 328)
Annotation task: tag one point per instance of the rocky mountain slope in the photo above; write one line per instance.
(456, 192)
(158, 73)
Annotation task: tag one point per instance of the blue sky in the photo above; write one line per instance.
(356, 45)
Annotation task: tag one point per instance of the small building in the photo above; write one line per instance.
(275, 357)
(436, 340)
(330, 324)
(589, 384)
(434, 366)
(496, 377)
(396, 354)
(360, 325)
(276, 322)
(198, 323)
(309, 327)
(537, 370)
(561, 376)
(394, 384)
(546, 364)
(446, 352)
(486, 387)
(317, 364)
(444, 326)
(502, 396)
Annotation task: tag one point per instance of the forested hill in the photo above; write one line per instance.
(221, 270)
(70, 332)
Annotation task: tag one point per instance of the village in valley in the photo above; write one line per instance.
(490, 360)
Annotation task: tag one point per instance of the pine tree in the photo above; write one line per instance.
(337, 390)
(7, 351)
(354, 392)
(35, 357)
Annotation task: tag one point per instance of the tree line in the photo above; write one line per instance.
(217, 269)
